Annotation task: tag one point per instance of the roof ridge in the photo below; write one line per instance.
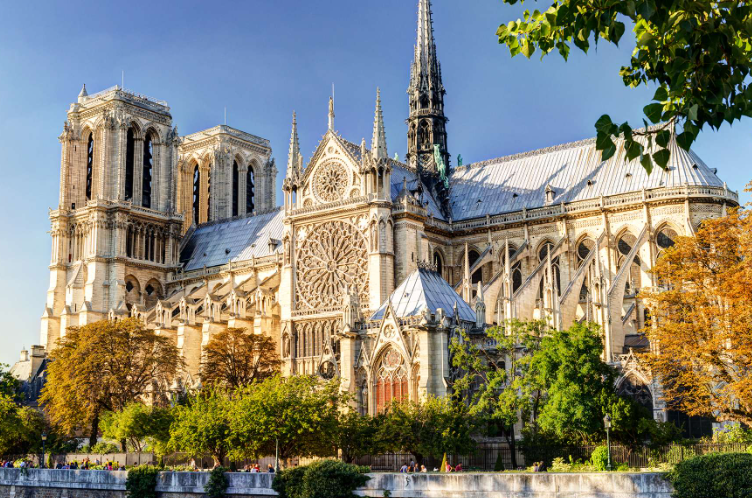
(544, 150)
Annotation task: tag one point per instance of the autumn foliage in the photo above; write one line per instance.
(702, 320)
(234, 358)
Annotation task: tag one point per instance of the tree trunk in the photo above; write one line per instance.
(123, 446)
(94, 434)
(512, 446)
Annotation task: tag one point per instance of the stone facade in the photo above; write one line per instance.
(183, 233)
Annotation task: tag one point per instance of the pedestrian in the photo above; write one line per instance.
(403, 469)
(423, 468)
(270, 469)
(458, 468)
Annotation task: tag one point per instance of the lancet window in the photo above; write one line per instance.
(249, 190)
(235, 188)
(129, 164)
(390, 380)
(89, 165)
(148, 166)
(196, 194)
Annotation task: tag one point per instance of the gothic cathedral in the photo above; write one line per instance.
(371, 264)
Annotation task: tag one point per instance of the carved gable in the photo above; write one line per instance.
(332, 175)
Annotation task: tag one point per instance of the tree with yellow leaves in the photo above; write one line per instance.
(701, 331)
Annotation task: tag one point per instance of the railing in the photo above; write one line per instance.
(485, 457)
(129, 93)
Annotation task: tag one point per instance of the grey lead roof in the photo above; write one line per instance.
(425, 289)
(236, 240)
(489, 187)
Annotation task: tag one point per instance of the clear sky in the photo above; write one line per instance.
(262, 59)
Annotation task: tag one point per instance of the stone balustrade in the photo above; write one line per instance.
(36, 483)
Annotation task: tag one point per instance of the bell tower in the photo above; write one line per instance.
(427, 138)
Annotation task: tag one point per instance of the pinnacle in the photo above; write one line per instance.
(83, 93)
(378, 142)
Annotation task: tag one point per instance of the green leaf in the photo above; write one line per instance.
(692, 113)
(662, 138)
(604, 124)
(646, 9)
(647, 163)
(685, 140)
(606, 145)
(661, 157)
(633, 149)
(617, 32)
(661, 94)
(653, 112)
(527, 48)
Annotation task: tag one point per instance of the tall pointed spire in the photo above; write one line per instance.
(378, 142)
(427, 149)
(294, 157)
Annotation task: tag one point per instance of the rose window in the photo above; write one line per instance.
(331, 259)
(330, 183)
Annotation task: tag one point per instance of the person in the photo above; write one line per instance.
(410, 469)
(403, 469)
(423, 468)
(74, 465)
(270, 469)
(449, 468)
(255, 469)
(458, 468)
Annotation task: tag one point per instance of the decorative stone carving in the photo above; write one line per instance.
(331, 258)
(330, 182)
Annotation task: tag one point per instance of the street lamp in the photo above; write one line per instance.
(607, 425)
(44, 453)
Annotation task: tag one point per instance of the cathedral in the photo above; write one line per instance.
(371, 263)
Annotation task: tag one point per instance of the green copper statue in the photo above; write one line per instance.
(459, 160)
(440, 166)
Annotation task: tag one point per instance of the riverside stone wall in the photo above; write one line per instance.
(35, 483)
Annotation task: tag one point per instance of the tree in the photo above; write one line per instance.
(139, 425)
(701, 328)
(299, 413)
(495, 381)
(102, 367)
(698, 53)
(428, 428)
(358, 435)
(578, 384)
(234, 358)
(21, 428)
(9, 385)
(202, 425)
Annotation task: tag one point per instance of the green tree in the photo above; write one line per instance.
(428, 428)
(300, 413)
(697, 52)
(9, 385)
(21, 428)
(495, 380)
(139, 425)
(234, 358)
(102, 367)
(357, 435)
(202, 425)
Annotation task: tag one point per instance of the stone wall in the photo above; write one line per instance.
(102, 484)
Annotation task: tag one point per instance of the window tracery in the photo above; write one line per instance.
(330, 182)
(391, 379)
(331, 258)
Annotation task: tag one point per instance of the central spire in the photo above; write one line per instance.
(427, 150)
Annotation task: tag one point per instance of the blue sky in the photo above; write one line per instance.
(262, 59)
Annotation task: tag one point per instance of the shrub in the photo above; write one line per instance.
(727, 475)
(217, 484)
(599, 458)
(142, 482)
(499, 465)
(321, 479)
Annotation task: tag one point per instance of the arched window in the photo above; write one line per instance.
(666, 238)
(472, 257)
(89, 165)
(583, 250)
(516, 277)
(625, 245)
(543, 256)
(147, 171)
(129, 164)
(438, 263)
(249, 190)
(424, 135)
(196, 194)
(391, 380)
(235, 188)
